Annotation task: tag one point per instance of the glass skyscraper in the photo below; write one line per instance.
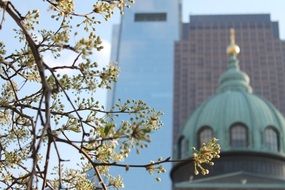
(143, 46)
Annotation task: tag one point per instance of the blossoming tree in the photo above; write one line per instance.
(43, 109)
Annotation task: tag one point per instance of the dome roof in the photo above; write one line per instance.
(233, 78)
(233, 104)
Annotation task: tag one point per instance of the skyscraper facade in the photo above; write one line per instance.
(199, 60)
(143, 46)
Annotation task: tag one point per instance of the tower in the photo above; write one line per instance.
(143, 46)
(251, 132)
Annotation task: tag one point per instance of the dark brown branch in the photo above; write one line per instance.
(96, 164)
(16, 16)
(77, 110)
(47, 162)
(76, 59)
(101, 181)
(59, 163)
(3, 18)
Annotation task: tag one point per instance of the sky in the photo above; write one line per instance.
(194, 7)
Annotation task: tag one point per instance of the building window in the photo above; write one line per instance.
(271, 139)
(150, 17)
(182, 147)
(239, 136)
(204, 135)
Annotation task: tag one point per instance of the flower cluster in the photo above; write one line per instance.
(46, 106)
(205, 155)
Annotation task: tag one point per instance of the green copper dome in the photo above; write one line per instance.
(238, 118)
(233, 78)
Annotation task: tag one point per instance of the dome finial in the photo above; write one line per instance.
(233, 49)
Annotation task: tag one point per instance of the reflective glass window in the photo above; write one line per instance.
(150, 17)
(238, 136)
(271, 139)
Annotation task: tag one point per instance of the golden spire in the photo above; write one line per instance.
(232, 49)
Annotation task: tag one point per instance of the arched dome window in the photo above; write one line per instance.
(204, 135)
(239, 136)
(271, 139)
(182, 147)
